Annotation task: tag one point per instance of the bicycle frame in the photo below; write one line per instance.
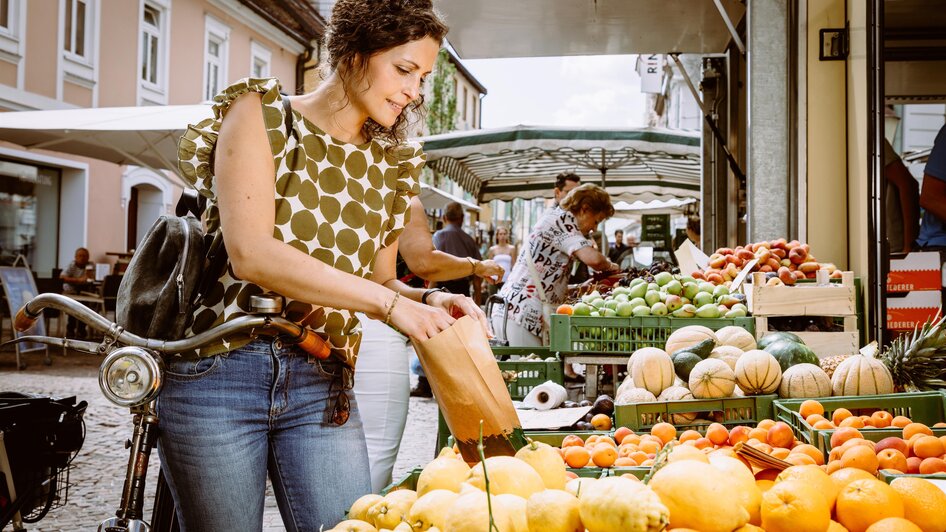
(117, 342)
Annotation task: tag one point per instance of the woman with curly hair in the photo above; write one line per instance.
(311, 213)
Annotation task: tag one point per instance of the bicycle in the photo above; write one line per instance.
(131, 376)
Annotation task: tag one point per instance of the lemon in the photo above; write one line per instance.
(359, 510)
(442, 473)
(430, 510)
(507, 475)
(553, 511)
(470, 513)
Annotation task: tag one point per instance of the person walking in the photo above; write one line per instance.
(313, 216)
(453, 240)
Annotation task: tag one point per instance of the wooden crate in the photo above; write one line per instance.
(838, 301)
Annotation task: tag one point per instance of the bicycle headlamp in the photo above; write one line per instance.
(131, 376)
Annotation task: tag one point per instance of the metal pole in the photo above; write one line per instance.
(732, 29)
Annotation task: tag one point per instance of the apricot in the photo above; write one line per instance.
(688, 435)
(913, 465)
(703, 443)
(639, 457)
(569, 475)
(665, 431)
(900, 421)
(892, 459)
(765, 424)
(860, 457)
(577, 456)
(832, 467)
(624, 461)
(649, 446)
(881, 419)
(759, 434)
(621, 433)
(780, 435)
(767, 474)
(601, 422)
(895, 443)
(852, 421)
(781, 453)
(916, 428)
(572, 440)
(800, 459)
(814, 418)
(932, 466)
(717, 434)
(811, 451)
(824, 424)
(840, 415)
(604, 455)
(844, 434)
(738, 434)
(928, 447)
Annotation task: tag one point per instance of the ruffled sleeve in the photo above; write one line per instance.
(195, 150)
(411, 159)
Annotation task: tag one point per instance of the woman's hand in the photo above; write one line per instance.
(489, 270)
(418, 321)
(457, 305)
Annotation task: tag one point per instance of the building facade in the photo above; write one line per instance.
(64, 54)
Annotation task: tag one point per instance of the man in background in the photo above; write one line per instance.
(453, 240)
(75, 278)
(933, 197)
(618, 248)
(564, 183)
(902, 203)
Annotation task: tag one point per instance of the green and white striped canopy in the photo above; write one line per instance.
(522, 161)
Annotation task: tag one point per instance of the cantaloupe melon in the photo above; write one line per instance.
(861, 375)
(736, 337)
(758, 372)
(629, 396)
(712, 379)
(678, 393)
(688, 336)
(804, 380)
(727, 354)
(651, 369)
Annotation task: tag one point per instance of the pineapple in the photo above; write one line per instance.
(830, 364)
(917, 361)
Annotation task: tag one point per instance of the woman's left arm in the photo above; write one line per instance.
(385, 274)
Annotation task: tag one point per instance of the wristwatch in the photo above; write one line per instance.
(423, 298)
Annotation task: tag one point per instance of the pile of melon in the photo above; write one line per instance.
(698, 363)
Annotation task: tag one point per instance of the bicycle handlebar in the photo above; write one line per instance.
(307, 340)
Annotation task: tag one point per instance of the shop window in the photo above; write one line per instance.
(215, 57)
(29, 214)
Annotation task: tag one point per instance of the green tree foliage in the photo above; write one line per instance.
(442, 106)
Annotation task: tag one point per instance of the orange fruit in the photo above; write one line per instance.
(621, 433)
(864, 502)
(932, 466)
(780, 435)
(894, 524)
(928, 447)
(852, 421)
(601, 422)
(881, 419)
(916, 428)
(604, 455)
(892, 459)
(923, 502)
(840, 415)
(810, 407)
(900, 422)
(794, 506)
(844, 434)
(811, 451)
(577, 456)
(812, 475)
(861, 457)
(665, 431)
(689, 435)
(844, 476)
(565, 309)
(572, 439)
(717, 434)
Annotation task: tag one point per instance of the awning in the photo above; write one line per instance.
(537, 28)
(434, 198)
(623, 209)
(522, 161)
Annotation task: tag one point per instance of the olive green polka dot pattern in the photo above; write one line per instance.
(337, 202)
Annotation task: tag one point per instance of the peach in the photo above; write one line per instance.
(759, 434)
(928, 447)
(916, 428)
(900, 422)
(895, 443)
(814, 418)
(852, 421)
(840, 415)
(738, 434)
(881, 419)
(844, 434)
(688, 435)
(717, 434)
(913, 465)
(780, 435)
(892, 459)
(932, 466)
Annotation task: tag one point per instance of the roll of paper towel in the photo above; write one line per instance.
(546, 396)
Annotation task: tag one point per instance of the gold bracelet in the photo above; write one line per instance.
(387, 318)
(473, 264)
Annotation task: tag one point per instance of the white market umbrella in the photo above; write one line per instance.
(522, 161)
(434, 198)
(624, 209)
(144, 136)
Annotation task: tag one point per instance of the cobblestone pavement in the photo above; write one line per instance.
(100, 466)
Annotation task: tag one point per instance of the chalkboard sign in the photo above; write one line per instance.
(19, 288)
(655, 228)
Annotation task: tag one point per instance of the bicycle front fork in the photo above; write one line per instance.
(129, 517)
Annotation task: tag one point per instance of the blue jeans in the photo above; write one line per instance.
(227, 420)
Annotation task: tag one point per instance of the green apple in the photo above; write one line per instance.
(581, 309)
(690, 290)
(651, 297)
(658, 309)
(703, 298)
(674, 287)
(663, 278)
(625, 309)
(642, 310)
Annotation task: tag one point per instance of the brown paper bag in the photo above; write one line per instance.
(468, 386)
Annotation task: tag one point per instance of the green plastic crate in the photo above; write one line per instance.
(640, 417)
(921, 407)
(888, 476)
(523, 375)
(407, 482)
(588, 334)
(639, 472)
